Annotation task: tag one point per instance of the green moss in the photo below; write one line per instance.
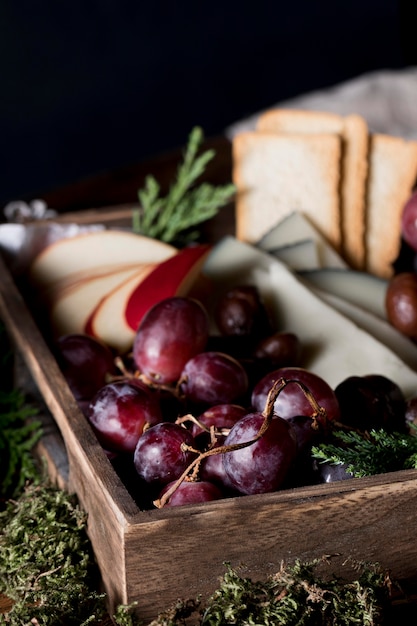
(46, 565)
(295, 596)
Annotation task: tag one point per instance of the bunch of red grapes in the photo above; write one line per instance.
(194, 415)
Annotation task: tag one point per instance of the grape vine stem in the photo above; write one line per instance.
(268, 413)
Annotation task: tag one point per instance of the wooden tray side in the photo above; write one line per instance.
(91, 475)
(182, 555)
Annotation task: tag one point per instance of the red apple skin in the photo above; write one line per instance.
(173, 277)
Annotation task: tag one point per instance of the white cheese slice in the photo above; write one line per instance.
(374, 325)
(300, 256)
(360, 288)
(296, 227)
(334, 346)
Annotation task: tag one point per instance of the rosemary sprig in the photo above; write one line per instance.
(367, 454)
(170, 218)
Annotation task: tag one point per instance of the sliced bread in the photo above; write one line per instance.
(392, 176)
(276, 174)
(354, 134)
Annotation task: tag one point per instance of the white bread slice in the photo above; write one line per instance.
(392, 176)
(276, 174)
(299, 121)
(353, 130)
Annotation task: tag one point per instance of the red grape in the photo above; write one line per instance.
(192, 492)
(85, 363)
(372, 401)
(212, 468)
(409, 221)
(221, 416)
(262, 466)
(410, 413)
(211, 378)
(160, 456)
(332, 472)
(240, 311)
(172, 331)
(120, 412)
(401, 303)
(281, 349)
(292, 401)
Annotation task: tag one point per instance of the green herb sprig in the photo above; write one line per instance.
(367, 454)
(172, 217)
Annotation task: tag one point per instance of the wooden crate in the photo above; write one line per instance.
(155, 557)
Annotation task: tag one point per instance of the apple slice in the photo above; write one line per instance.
(73, 307)
(117, 317)
(58, 289)
(93, 250)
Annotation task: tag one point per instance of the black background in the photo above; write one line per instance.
(90, 85)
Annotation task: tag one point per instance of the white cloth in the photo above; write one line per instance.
(386, 99)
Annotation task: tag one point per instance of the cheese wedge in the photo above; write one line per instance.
(333, 346)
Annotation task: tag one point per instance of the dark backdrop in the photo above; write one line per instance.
(88, 85)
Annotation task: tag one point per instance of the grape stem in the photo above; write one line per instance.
(268, 413)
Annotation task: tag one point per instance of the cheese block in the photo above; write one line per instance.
(359, 288)
(333, 346)
(299, 256)
(294, 228)
(375, 326)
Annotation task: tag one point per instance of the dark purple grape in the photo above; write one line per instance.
(237, 346)
(120, 412)
(240, 311)
(332, 472)
(305, 433)
(372, 401)
(401, 303)
(160, 455)
(86, 364)
(192, 492)
(409, 221)
(211, 378)
(262, 466)
(173, 331)
(410, 413)
(212, 468)
(292, 402)
(281, 349)
(220, 416)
